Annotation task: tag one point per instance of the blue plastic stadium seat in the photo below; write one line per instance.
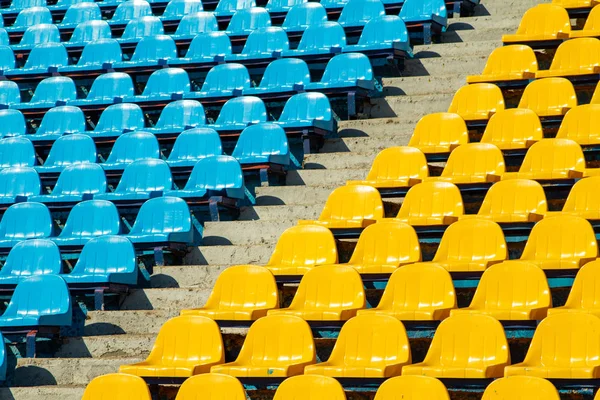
(423, 11)
(9, 93)
(50, 92)
(30, 258)
(69, 150)
(87, 220)
(108, 88)
(21, 4)
(239, 112)
(117, 119)
(12, 122)
(228, 7)
(74, 182)
(16, 152)
(32, 16)
(79, 13)
(196, 23)
(41, 300)
(180, 8)
(105, 259)
(213, 176)
(36, 34)
(346, 71)
(224, 80)
(162, 220)
(4, 39)
(324, 38)
(130, 147)
(59, 121)
(264, 143)
(194, 145)
(68, 3)
(282, 6)
(131, 10)
(283, 75)
(95, 55)
(24, 221)
(178, 116)
(164, 85)
(204, 48)
(91, 31)
(359, 12)
(334, 4)
(269, 42)
(7, 58)
(140, 179)
(307, 110)
(143, 27)
(387, 32)
(3, 359)
(45, 57)
(150, 51)
(18, 181)
(244, 21)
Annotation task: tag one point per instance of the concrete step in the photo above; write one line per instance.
(277, 213)
(186, 276)
(165, 299)
(331, 161)
(320, 177)
(294, 195)
(436, 50)
(42, 392)
(245, 232)
(358, 145)
(378, 129)
(414, 107)
(419, 81)
(506, 8)
(230, 255)
(441, 67)
(126, 322)
(115, 346)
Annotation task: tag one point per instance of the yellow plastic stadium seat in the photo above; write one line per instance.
(211, 386)
(592, 23)
(514, 200)
(369, 346)
(540, 23)
(310, 387)
(276, 346)
(117, 387)
(431, 203)
(551, 159)
(300, 248)
(353, 206)
(472, 163)
(583, 200)
(574, 57)
(561, 242)
(512, 290)
(385, 246)
(564, 346)
(581, 124)
(417, 292)
(241, 293)
(327, 293)
(508, 63)
(185, 346)
(515, 128)
(575, 3)
(583, 297)
(520, 388)
(465, 346)
(471, 245)
(549, 97)
(439, 133)
(412, 387)
(395, 167)
(477, 102)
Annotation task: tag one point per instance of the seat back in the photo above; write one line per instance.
(134, 146)
(553, 156)
(282, 5)
(584, 197)
(71, 2)
(46, 55)
(117, 387)
(419, 10)
(304, 245)
(70, 150)
(348, 68)
(477, 101)
(474, 160)
(580, 124)
(16, 152)
(513, 129)
(285, 74)
(32, 257)
(388, 244)
(307, 107)
(561, 237)
(154, 48)
(7, 58)
(412, 387)
(520, 387)
(199, 22)
(92, 218)
(213, 386)
(435, 132)
(131, 10)
(549, 96)
(430, 202)
(244, 287)
(592, 23)
(354, 202)
(313, 387)
(209, 45)
(111, 85)
(145, 176)
(181, 8)
(359, 12)
(544, 19)
(513, 200)
(181, 115)
(575, 54)
(80, 179)
(109, 254)
(146, 26)
(244, 110)
(163, 215)
(9, 93)
(583, 292)
(330, 287)
(63, 120)
(278, 340)
(301, 16)
(19, 181)
(323, 36)
(12, 123)
(512, 59)
(260, 143)
(231, 6)
(53, 89)
(21, 4)
(167, 82)
(82, 12)
(223, 79)
(33, 16)
(41, 33)
(120, 117)
(100, 51)
(248, 19)
(217, 172)
(4, 39)
(265, 41)
(90, 31)
(195, 144)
